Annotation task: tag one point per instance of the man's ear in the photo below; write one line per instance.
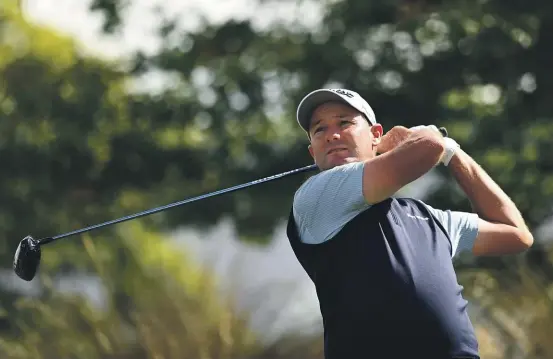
(310, 148)
(377, 132)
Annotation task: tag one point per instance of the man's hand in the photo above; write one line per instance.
(409, 155)
(397, 135)
(393, 138)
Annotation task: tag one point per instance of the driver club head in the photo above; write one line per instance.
(27, 258)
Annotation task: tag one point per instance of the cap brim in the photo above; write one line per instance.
(311, 102)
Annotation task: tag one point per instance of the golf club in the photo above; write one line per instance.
(27, 256)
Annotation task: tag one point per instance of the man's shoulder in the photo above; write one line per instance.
(304, 185)
(321, 179)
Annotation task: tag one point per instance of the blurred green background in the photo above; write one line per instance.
(111, 107)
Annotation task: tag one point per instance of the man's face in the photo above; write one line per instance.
(340, 134)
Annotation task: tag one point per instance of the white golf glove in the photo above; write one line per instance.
(451, 145)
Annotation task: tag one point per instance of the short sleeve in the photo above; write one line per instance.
(462, 228)
(326, 202)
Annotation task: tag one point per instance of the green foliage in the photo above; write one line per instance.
(78, 147)
(158, 304)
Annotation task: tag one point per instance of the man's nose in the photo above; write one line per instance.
(333, 135)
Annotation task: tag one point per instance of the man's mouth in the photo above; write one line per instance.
(334, 150)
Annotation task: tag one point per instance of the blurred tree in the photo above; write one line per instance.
(482, 69)
(473, 67)
(78, 147)
(141, 316)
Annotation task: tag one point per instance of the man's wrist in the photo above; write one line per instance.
(451, 148)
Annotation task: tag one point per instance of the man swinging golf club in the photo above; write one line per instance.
(382, 266)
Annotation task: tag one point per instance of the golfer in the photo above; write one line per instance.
(382, 266)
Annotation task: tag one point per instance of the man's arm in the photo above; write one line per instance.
(411, 154)
(501, 228)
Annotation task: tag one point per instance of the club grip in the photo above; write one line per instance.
(443, 131)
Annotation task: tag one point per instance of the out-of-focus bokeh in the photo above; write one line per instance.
(110, 107)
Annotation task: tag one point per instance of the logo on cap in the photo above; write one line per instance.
(343, 92)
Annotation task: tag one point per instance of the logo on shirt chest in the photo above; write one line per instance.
(417, 217)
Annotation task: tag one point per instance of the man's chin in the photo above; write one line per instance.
(335, 162)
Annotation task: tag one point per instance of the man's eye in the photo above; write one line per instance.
(318, 129)
(345, 122)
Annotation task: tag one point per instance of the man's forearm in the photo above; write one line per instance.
(386, 174)
(488, 200)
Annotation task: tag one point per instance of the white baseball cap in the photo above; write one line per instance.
(318, 97)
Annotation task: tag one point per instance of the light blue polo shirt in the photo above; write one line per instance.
(327, 201)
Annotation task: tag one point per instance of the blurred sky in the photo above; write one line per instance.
(141, 18)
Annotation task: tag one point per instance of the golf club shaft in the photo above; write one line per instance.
(189, 200)
(176, 204)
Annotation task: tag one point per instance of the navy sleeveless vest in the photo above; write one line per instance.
(387, 287)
